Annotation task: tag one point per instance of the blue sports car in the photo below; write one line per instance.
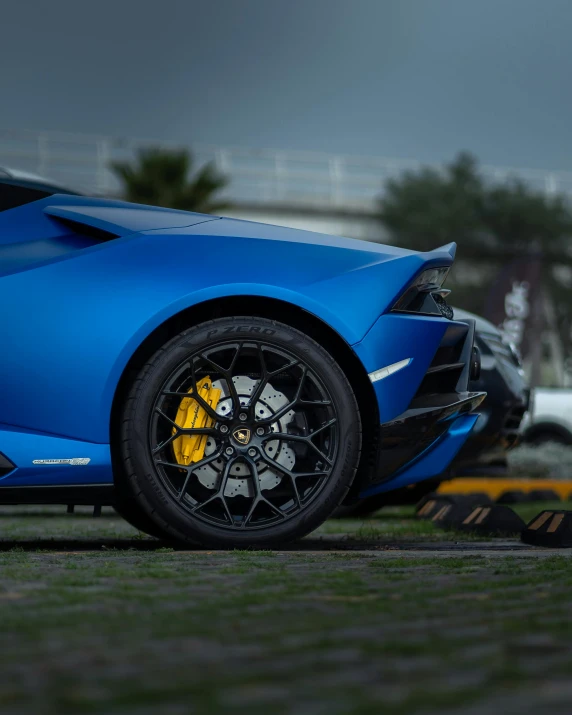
(218, 381)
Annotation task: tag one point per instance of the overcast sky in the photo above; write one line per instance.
(417, 79)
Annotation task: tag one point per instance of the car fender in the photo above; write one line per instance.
(202, 297)
(71, 324)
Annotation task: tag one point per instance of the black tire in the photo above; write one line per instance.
(126, 506)
(324, 432)
(542, 437)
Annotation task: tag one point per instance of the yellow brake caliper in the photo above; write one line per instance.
(190, 415)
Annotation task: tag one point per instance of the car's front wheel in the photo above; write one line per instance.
(240, 432)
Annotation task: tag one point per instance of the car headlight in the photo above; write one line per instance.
(426, 295)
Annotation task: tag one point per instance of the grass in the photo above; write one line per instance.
(98, 619)
(529, 511)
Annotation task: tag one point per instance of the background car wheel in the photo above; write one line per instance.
(240, 432)
(546, 435)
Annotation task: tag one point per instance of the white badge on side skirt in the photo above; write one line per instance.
(75, 461)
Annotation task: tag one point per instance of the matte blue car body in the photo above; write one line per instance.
(75, 310)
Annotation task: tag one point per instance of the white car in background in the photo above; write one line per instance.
(550, 417)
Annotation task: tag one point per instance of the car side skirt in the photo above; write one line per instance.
(86, 494)
(32, 459)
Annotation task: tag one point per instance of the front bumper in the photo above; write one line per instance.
(433, 398)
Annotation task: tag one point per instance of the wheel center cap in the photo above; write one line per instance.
(242, 435)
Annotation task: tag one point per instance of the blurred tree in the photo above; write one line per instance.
(428, 208)
(162, 177)
(492, 225)
(520, 221)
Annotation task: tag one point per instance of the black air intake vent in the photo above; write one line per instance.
(6, 466)
(448, 364)
(84, 229)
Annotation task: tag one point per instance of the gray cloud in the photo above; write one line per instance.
(406, 78)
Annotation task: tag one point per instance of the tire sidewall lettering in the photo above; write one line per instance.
(240, 329)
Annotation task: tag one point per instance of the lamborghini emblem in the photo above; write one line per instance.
(242, 435)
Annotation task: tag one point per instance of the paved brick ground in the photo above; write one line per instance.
(358, 618)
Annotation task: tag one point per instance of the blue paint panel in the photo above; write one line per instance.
(74, 310)
(15, 257)
(87, 312)
(395, 337)
(126, 218)
(23, 447)
(433, 461)
(32, 222)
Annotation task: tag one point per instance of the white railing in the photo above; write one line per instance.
(286, 178)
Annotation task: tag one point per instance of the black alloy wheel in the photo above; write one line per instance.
(240, 431)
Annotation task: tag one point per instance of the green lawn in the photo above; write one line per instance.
(96, 618)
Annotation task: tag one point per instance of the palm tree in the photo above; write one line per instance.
(162, 177)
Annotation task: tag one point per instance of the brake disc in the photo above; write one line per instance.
(240, 479)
